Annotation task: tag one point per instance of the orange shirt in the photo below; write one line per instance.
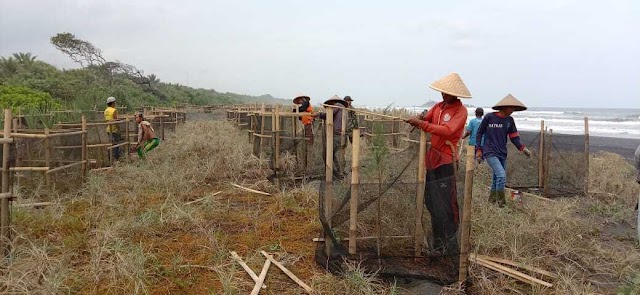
(307, 120)
(445, 122)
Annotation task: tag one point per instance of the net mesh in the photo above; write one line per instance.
(558, 169)
(387, 195)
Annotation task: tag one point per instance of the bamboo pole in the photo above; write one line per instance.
(343, 141)
(128, 139)
(288, 273)
(541, 156)
(85, 162)
(49, 171)
(328, 196)
(262, 123)
(586, 155)
(547, 166)
(275, 123)
(355, 190)
(5, 203)
(465, 230)
(420, 190)
(47, 156)
(162, 127)
(40, 169)
(366, 112)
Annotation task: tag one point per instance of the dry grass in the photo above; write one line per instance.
(569, 237)
(132, 231)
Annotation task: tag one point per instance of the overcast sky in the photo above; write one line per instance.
(562, 53)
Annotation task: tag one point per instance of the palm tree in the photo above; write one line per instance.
(153, 80)
(8, 66)
(25, 59)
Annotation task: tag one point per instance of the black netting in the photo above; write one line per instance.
(559, 170)
(387, 209)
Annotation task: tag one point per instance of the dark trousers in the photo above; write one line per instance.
(441, 200)
(115, 139)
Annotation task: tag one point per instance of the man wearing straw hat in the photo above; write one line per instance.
(111, 114)
(445, 121)
(338, 168)
(496, 127)
(304, 103)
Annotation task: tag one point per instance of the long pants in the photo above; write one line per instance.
(308, 133)
(498, 166)
(337, 163)
(115, 139)
(441, 200)
(147, 146)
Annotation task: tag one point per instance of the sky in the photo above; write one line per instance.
(563, 53)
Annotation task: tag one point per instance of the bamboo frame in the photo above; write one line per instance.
(47, 156)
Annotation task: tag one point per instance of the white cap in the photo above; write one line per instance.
(111, 99)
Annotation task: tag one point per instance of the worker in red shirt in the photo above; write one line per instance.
(304, 106)
(445, 121)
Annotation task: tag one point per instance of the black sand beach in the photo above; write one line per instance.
(624, 147)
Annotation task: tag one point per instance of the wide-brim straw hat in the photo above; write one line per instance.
(336, 99)
(451, 84)
(298, 99)
(510, 101)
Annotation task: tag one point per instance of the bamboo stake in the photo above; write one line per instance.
(263, 119)
(420, 190)
(465, 229)
(288, 272)
(541, 156)
(5, 203)
(65, 167)
(547, 166)
(586, 155)
(41, 169)
(128, 139)
(85, 161)
(355, 187)
(366, 112)
(343, 141)
(328, 196)
(47, 156)
(367, 238)
(263, 275)
(276, 152)
(161, 127)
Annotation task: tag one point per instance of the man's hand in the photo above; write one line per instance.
(527, 152)
(415, 121)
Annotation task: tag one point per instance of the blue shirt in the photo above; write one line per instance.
(495, 128)
(473, 126)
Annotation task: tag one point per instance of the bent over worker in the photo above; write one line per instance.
(304, 103)
(147, 139)
(445, 121)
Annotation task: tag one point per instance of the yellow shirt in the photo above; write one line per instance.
(108, 116)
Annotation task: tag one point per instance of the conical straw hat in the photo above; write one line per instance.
(298, 99)
(336, 99)
(510, 101)
(451, 84)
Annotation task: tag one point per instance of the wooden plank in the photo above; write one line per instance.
(318, 240)
(263, 275)
(250, 190)
(509, 272)
(246, 268)
(288, 273)
(519, 265)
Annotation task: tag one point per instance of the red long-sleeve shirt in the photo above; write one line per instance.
(445, 122)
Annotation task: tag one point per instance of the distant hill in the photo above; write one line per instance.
(29, 84)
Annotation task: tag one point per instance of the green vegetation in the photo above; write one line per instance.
(27, 83)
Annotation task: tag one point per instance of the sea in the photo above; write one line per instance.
(604, 122)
